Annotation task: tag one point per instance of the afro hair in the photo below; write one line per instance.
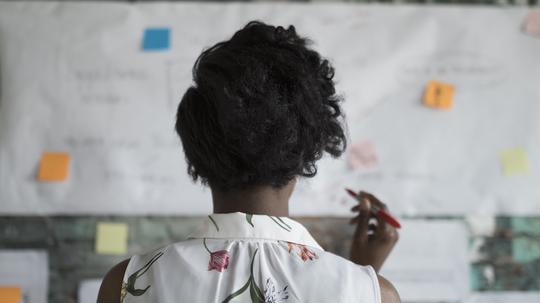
(262, 110)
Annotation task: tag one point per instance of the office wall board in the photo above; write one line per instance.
(77, 78)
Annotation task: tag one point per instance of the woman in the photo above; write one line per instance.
(262, 111)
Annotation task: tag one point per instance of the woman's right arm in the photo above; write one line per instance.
(110, 290)
(372, 244)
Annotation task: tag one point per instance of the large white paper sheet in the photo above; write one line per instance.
(88, 291)
(430, 262)
(74, 79)
(504, 297)
(27, 269)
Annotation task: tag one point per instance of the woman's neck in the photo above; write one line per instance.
(262, 200)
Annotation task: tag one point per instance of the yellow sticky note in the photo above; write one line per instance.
(111, 238)
(10, 294)
(54, 166)
(514, 161)
(438, 95)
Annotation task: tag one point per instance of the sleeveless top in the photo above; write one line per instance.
(239, 257)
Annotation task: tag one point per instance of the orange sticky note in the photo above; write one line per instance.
(54, 166)
(10, 294)
(439, 95)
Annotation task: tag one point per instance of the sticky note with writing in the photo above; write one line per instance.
(362, 155)
(10, 294)
(439, 95)
(156, 39)
(54, 166)
(514, 161)
(111, 238)
(532, 23)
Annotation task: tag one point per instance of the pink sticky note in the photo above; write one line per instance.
(362, 155)
(532, 23)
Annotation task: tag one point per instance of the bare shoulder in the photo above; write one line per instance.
(389, 293)
(109, 292)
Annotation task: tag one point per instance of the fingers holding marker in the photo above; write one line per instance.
(362, 219)
(364, 210)
(385, 232)
(373, 199)
(378, 208)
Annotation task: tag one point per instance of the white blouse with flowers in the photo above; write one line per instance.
(239, 257)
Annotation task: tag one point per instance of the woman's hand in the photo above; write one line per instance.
(371, 243)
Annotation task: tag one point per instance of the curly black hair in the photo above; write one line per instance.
(262, 110)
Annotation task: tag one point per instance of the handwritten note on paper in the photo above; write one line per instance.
(10, 294)
(430, 263)
(155, 39)
(514, 161)
(111, 238)
(439, 95)
(532, 23)
(362, 155)
(54, 166)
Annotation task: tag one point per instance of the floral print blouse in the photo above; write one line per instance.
(239, 257)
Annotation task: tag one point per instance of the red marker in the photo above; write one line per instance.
(377, 211)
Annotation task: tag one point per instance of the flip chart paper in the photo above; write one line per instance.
(111, 238)
(504, 297)
(430, 261)
(54, 166)
(111, 105)
(88, 291)
(28, 270)
(439, 95)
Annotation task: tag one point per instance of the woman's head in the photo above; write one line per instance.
(263, 109)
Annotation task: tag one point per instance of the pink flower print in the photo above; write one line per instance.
(304, 252)
(219, 260)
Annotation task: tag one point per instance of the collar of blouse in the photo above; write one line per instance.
(239, 225)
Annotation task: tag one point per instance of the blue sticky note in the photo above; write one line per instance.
(156, 39)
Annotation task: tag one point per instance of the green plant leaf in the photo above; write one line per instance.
(238, 292)
(139, 292)
(255, 293)
(213, 221)
(257, 289)
(285, 227)
(281, 220)
(249, 218)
